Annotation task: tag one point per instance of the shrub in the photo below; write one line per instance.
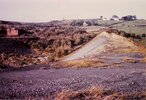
(78, 40)
(133, 35)
(98, 93)
(85, 63)
(143, 35)
(58, 52)
(127, 35)
(138, 36)
(93, 93)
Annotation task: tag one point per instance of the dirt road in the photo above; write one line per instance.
(44, 83)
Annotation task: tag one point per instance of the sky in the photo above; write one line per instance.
(46, 10)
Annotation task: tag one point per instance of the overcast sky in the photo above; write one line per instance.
(46, 10)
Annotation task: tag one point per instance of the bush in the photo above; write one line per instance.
(78, 40)
(58, 52)
(143, 35)
(138, 36)
(133, 35)
(127, 35)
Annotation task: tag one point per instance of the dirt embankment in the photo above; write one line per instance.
(102, 43)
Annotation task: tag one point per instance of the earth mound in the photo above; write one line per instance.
(103, 43)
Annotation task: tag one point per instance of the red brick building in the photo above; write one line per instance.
(12, 32)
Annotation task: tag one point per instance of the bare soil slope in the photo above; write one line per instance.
(102, 43)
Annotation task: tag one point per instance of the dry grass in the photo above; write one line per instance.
(124, 50)
(85, 63)
(144, 60)
(130, 60)
(117, 64)
(134, 96)
(98, 93)
(138, 49)
(93, 93)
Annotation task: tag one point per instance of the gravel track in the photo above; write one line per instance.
(44, 83)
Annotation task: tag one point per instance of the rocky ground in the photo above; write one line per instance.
(45, 82)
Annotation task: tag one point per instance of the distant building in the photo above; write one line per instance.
(85, 24)
(12, 32)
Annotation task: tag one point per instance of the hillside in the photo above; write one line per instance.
(60, 60)
(57, 39)
(102, 43)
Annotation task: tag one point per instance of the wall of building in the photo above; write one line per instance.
(12, 32)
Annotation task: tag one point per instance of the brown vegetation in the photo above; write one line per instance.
(130, 60)
(62, 44)
(83, 63)
(93, 93)
(98, 93)
(117, 64)
(55, 42)
(144, 60)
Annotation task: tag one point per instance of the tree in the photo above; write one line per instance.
(143, 35)
(129, 18)
(101, 17)
(115, 17)
(138, 37)
(133, 35)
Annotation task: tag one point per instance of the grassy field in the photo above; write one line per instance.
(137, 26)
